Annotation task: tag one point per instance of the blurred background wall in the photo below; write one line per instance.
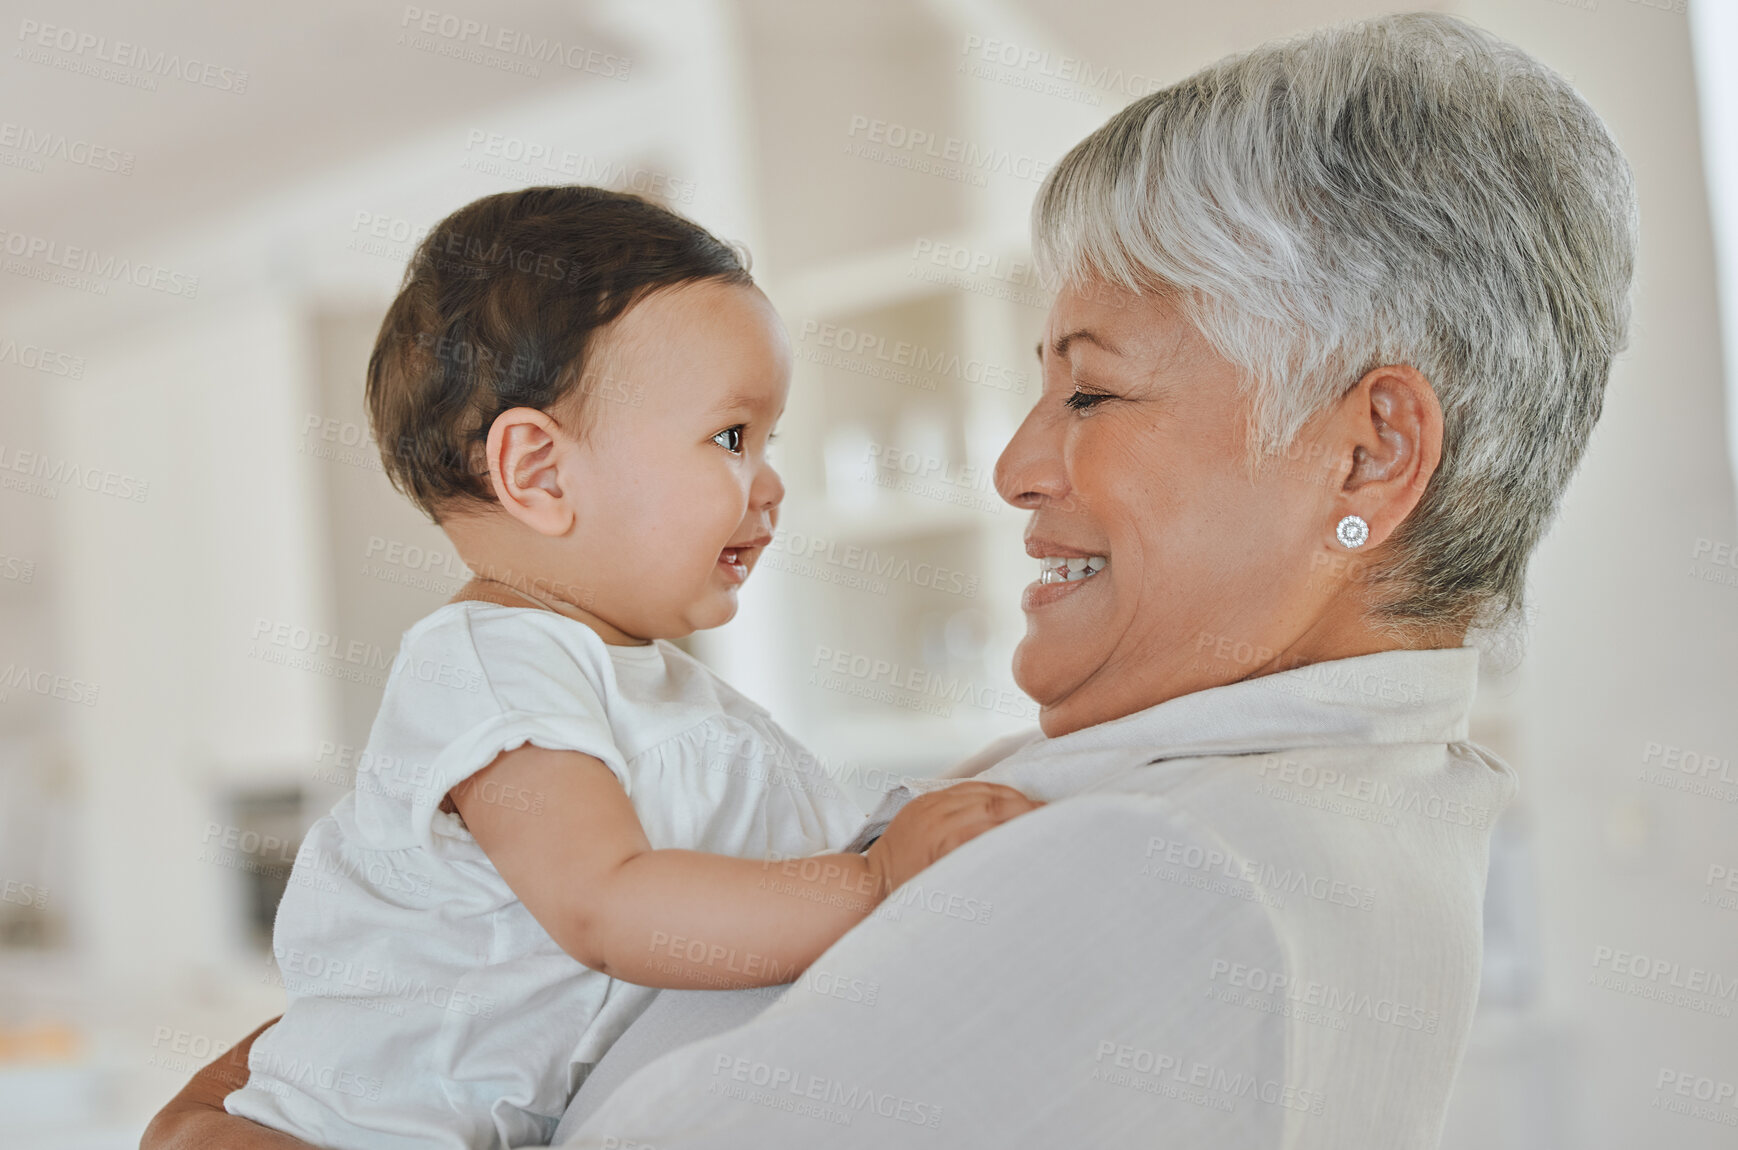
(203, 573)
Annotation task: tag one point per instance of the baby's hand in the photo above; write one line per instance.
(935, 822)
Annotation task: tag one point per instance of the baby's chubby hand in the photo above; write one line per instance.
(938, 821)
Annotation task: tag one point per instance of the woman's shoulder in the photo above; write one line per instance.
(1368, 842)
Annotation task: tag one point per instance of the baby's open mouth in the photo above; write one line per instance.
(1069, 569)
(742, 555)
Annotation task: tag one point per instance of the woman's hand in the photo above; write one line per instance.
(196, 1120)
(936, 822)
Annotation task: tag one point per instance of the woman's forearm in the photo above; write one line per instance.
(196, 1120)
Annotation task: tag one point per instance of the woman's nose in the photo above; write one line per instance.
(1031, 468)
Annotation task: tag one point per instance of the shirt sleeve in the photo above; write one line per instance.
(461, 693)
(1044, 984)
(875, 823)
(891, 802)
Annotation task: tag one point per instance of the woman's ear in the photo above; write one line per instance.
(525, 449)
(1395, 425)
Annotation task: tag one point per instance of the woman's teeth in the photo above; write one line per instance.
(1064, 569)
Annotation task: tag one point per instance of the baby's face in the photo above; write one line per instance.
(677, 499)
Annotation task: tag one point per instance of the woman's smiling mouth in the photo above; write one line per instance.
(1069, 568)
(1062, 571)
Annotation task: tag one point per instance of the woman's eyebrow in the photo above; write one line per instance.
(1060, 347)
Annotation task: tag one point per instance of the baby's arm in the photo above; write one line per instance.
(584, 869)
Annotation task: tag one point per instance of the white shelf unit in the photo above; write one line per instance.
(889, 606)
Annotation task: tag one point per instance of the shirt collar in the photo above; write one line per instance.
(1402, 696)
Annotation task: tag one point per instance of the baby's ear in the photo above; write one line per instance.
(524, 451)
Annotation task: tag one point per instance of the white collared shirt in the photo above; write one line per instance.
(1248, 917)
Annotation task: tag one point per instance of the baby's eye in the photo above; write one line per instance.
(1084, 400)
(730, 439)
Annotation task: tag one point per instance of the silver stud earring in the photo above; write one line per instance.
(1352, 531)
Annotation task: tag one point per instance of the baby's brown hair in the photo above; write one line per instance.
(498, 310)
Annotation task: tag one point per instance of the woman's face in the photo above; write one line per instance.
(1133, 459)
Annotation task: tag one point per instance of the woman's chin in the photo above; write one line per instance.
(1041, 669)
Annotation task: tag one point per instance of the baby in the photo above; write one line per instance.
(579, 387)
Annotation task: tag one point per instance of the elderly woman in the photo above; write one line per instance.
(1337, 319)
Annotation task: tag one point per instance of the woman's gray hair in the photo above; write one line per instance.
(1408, 189)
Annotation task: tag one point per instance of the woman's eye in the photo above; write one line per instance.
(1084, 400)
(730, 439)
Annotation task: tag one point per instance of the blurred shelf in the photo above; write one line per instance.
(904, 519)
(35, 1097)
(884, 276)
